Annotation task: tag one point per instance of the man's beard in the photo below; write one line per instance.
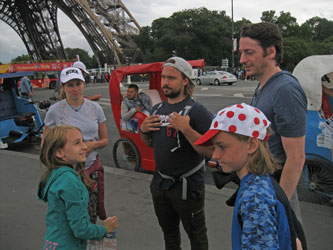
(172, 94)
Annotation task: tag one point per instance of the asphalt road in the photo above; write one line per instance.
(213, 97)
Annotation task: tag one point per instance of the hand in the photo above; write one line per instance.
(111, 223)
(151, 123)
(90, 146)
(138, 109)
(298, 244)
(178, 121)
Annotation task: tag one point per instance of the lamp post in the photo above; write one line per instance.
(232, 36)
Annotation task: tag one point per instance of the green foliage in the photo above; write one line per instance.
(202, 33)
(90, 62)
(269, 16)
(192, 34)
(294, 51)
(21, 58)
(321, 28)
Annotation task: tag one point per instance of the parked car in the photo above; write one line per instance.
(216, 78)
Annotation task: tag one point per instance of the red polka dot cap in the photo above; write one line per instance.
(240, 119)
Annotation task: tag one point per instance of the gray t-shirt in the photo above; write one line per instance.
(87, 119)
(284, 103)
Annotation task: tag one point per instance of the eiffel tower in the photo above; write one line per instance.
(107, 25)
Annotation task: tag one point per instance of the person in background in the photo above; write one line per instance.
(178, 186)
(326, 111)
(281, 98)
(80, 65)
(134, 102)
(87, 115)
(262, 216)
(92, 78)
(27, 91)
(63, 187)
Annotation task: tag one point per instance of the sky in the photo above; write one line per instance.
(146, 11)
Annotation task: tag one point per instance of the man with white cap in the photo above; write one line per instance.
(177, 187)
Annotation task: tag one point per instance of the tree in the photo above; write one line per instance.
(288, 24)
(295, 50)
(192, 34)
(145, 42)
(237, 27)
(83, 55)
(21, 58)
(269, 16)
(321, 28)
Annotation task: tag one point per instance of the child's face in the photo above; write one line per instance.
(231, 153)
(75, 150)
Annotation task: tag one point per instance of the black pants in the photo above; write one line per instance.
(170, 209)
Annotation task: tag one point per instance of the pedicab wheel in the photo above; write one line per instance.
(316, 182)
(126, 155)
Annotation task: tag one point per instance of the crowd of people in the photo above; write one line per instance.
(262, 143)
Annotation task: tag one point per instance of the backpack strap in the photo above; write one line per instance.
(158, 107)
(296, 229)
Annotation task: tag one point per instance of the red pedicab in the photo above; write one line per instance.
(130, 152)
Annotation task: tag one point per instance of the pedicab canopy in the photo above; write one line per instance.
(309, 73)
(154, 69)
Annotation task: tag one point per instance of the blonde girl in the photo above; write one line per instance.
(262, 216)
(63, 187)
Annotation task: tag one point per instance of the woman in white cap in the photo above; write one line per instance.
(262, 216)
(89, 117)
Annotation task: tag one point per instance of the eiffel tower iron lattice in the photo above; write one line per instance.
(107, 25)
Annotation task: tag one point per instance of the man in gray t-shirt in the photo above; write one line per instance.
(281, 98)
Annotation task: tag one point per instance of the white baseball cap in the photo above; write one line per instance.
(181, 65)
(241, 119)
(70, 73)
(80, 65)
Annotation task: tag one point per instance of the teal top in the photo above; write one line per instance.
(68, 223)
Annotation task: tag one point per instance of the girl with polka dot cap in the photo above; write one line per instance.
(262, 216)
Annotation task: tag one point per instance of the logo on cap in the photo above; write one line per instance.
(72, 71)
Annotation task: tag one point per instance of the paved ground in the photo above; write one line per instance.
(22, 216)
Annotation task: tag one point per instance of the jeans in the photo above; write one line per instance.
(170, 209)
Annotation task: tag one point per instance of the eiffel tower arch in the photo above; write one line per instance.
(107, 25)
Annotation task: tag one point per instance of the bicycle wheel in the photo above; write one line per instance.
(126, 155)
(316, 182)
